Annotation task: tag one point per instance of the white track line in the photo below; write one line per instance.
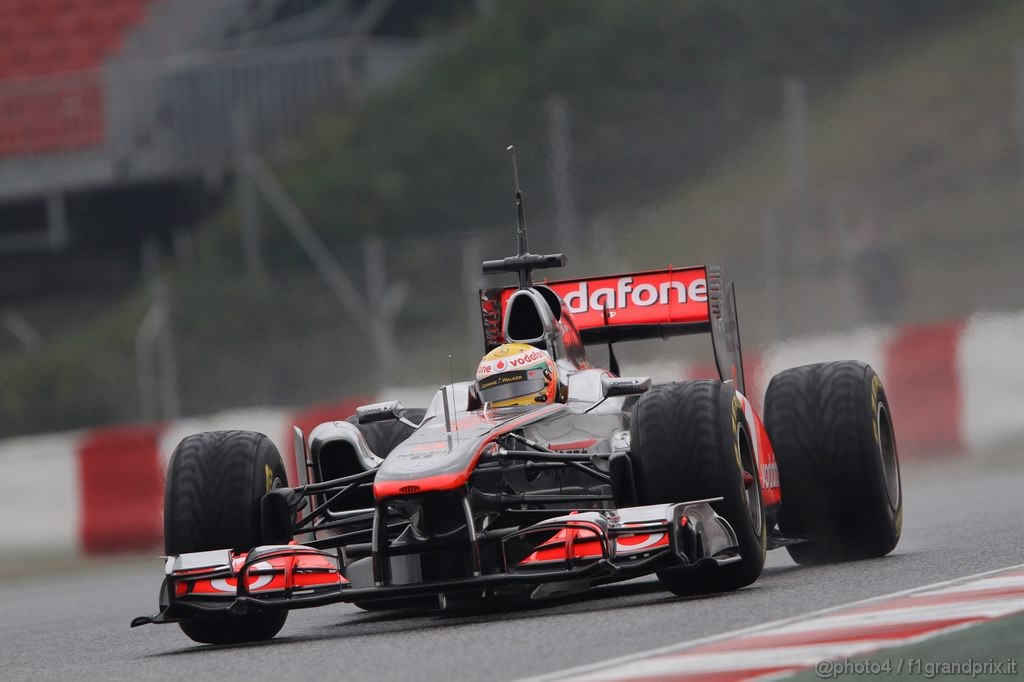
(773, 625)
(751, 660)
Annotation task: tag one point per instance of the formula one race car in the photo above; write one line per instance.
(543, 477)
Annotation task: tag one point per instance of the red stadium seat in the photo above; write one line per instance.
(48, 37)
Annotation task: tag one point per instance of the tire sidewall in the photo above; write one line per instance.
(269, 473)
(753, 540)
(887, 512)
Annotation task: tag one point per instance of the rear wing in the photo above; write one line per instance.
(643, 305)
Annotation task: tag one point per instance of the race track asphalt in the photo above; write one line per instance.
(73, 624)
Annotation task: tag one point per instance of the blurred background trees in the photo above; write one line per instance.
(207, 205)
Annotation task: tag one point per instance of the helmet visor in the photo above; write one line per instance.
(510, 385)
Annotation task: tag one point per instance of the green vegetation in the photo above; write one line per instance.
(922, 138)
(427, 156)
(81, 379)
(424, 162)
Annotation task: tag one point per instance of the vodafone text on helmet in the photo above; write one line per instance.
(488, 367)
(624, 295)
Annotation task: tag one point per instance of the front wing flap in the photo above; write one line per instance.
(222, 582)
(690, 532)
(591, 546)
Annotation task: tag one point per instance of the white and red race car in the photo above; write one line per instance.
(461, 501)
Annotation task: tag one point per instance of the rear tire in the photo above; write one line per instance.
(215, 482)
(831, 427)
(691, 441)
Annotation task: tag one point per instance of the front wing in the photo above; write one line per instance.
(581, 548)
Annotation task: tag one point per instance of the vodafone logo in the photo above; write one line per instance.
(526, 358)
(671, 296)
(524, 361)
(255, 581)
(625, 294)
(630, 544)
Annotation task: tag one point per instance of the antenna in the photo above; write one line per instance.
(447, 416)
(524, 262)
(451, 383)
(523, 247)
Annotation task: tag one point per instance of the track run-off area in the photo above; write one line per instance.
(71, 622)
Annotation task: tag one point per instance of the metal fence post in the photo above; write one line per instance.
(1018, 97)
(21, 329)
(472, 282)
(795, 112)
(382, 309)
(604, 252)
(846, 254)
(559, 168)
(155, 359)
(333, 275)
(56, 220)
(252, 251)
(166, 356)
(772, 247)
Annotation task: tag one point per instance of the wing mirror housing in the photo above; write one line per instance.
(379, 412)
(613, 387)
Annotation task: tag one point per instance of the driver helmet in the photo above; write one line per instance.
(517, 374)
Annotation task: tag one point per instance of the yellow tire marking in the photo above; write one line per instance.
(876, 385)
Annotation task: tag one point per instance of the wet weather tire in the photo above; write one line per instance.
(691, 441)
(215, 482)
(831, 428)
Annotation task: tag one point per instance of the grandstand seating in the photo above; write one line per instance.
(51, 52)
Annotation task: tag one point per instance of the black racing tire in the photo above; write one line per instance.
(691, 441)
(215, 482)
(831, 428)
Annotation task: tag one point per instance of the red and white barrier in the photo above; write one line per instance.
(101, 491)
(41, 494)
(991, 364)
(954, 388)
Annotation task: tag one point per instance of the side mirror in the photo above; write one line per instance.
(379, 412)
(612, 387)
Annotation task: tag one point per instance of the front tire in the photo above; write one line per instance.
(831, 427)
(215, 482)
(691, 441)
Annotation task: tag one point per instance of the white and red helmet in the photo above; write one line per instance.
(517, 374)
